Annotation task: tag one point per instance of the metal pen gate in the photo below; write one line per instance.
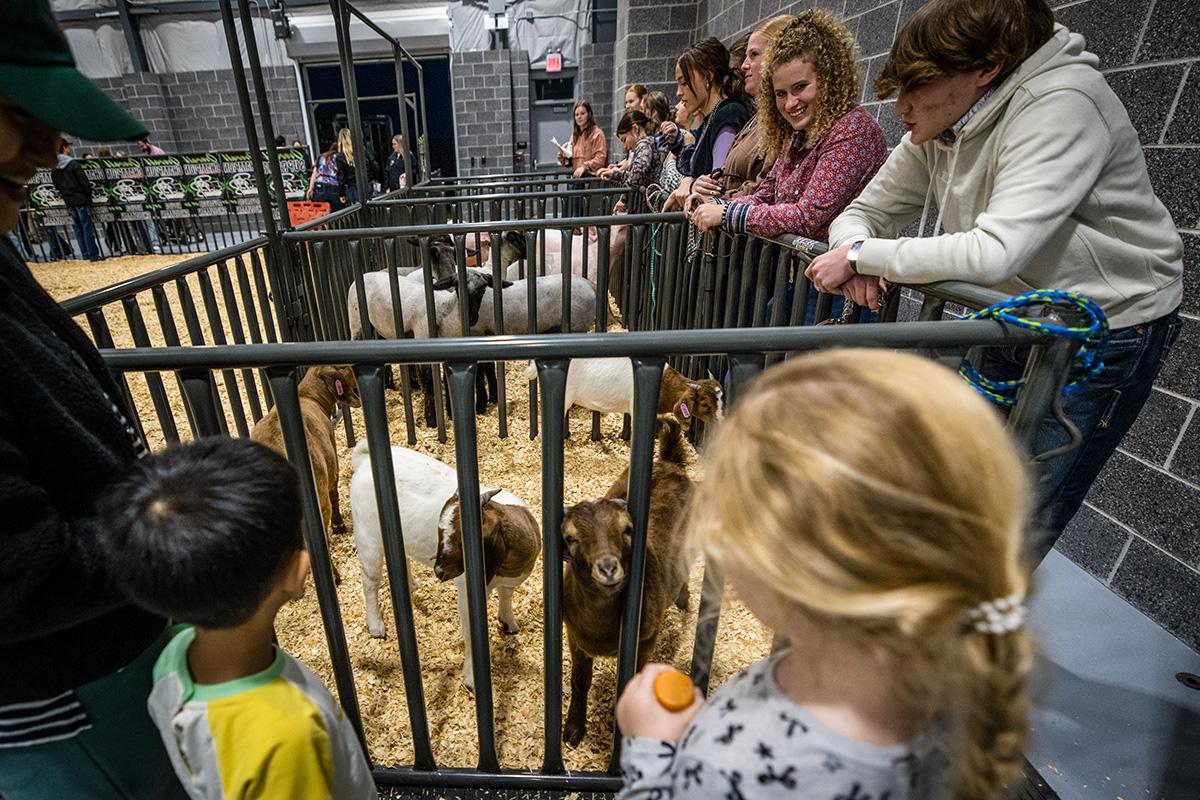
(746, 351)
(278, 302)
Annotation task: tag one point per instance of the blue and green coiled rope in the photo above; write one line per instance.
(1088, 359)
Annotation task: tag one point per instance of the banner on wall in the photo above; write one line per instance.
(176, 186)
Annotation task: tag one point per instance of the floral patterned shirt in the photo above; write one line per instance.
(645, 165)
(806, 189)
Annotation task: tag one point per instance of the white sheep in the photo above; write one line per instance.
(549, 292)
(412, 304)
(427, 497)
(552, 257)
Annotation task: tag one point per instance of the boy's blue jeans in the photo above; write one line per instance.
(1103, 410)
(85, 232)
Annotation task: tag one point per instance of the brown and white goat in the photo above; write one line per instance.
(597, 545)
(320, 390)
(428, 502)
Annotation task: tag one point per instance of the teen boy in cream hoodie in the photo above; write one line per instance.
(1028, 167)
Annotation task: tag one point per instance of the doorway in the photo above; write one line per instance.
(379, 107)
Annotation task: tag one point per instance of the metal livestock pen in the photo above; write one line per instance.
(278, 302)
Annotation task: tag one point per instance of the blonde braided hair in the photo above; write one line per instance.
(876, 495)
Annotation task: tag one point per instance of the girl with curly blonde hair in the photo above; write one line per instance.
(825, 146)
(869, 507)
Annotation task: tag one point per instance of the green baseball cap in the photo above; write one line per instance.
(38, 74)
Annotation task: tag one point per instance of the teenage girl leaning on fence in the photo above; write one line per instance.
(75, 654)
(869, 506)
(824, 146)
(708, 88)
(747, 163)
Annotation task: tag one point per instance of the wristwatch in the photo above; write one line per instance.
(852, 256)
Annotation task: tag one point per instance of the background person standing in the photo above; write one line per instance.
(76, 190)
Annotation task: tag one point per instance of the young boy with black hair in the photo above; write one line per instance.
(209, 534)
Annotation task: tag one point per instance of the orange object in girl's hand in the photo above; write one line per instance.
(674, 690)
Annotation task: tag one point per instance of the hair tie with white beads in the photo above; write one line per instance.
(1002, 615)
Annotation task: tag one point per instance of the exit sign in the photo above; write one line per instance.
(554, 62)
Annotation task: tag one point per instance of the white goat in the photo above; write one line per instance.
(606, 385)
(427, 496)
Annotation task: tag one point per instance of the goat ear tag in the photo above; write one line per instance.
(339, 388)
(683, 409)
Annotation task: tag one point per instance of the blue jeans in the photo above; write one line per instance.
(1103, 410)
(327, 193)
(85, 232)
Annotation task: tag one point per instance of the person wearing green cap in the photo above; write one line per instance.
(75, 654)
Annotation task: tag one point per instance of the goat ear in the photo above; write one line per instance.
(505, 284)
(454, 497)
(619, 502)
(710, 375)
(487, 496)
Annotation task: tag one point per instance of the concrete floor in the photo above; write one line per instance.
(1111, 719)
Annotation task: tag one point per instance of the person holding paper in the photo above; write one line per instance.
(589, 146)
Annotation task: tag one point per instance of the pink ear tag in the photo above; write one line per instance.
(683, 409)
(340, 388)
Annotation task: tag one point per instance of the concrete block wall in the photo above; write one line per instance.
(1138, 531)
(491, 107)
(650, 36)
(595, 84)
(198, 111)
(205, 112)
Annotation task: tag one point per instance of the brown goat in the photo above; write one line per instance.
(685, 398)
(597, 539)
(320, 390)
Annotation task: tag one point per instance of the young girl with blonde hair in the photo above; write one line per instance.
(868, 506)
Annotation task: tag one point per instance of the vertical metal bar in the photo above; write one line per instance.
(263, 295)
(196, 334)
(461, 377)
(199, 390)
(743, 368)
(235, 327)
(162, 407)
(370, 387)
(217, 328)
(341, 25)
(239, 81)
(283, 385)
(567, 269)
(401, 97)
(553, 380)
(264, 112)
(166, 321)
(647, 373)
(133, 40)
(1045, 375)
(496, 245)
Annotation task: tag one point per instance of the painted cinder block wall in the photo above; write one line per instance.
(1139, 532)
(491, 107)
(198, 111)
